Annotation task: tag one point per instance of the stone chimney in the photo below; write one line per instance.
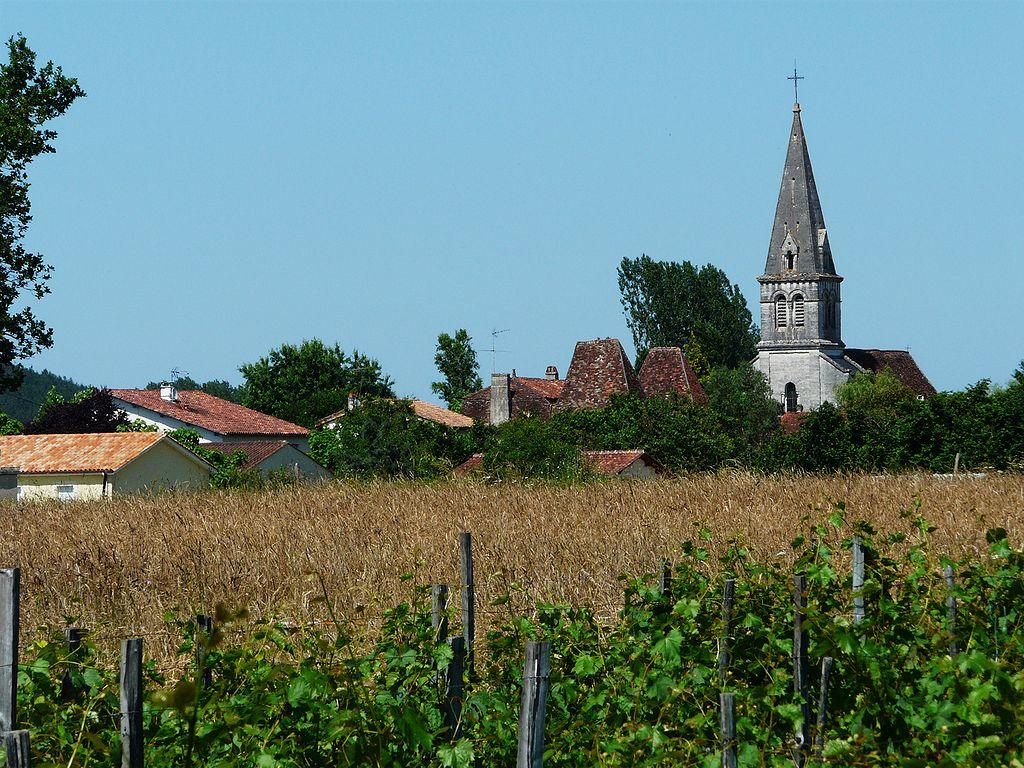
(551, 374)
(169, 392)
(501, 398)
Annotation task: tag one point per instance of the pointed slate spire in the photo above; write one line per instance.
(799, 244)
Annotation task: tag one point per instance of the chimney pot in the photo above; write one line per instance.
(551, 374)
(169, 392)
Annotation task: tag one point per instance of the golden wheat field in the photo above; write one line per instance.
(118, 565)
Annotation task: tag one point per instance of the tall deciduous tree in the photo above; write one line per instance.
(89, 411)
(305, 382)
(30, 97)
(671, 304)
(456, 360)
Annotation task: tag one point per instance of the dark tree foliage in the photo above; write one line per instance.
(216, 387)
(304, 383)
(24, 402)
(93, 412)
(384, 438)
(742, 402)
(456, 360)
(531, 448)
(30, 97)
(675, 304)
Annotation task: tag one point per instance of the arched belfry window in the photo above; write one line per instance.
(830, 310)
(791, 405)
(798, 309)
(790, 259)
(781, 314)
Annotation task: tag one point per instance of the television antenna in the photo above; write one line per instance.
(494, 347)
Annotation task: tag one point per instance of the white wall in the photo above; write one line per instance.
(288, 457)
(161, 467)
(162, 422)
(39, 487)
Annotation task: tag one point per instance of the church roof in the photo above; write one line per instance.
(799, 223)
(898, 362)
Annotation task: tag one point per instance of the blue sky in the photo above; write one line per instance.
(241, 175)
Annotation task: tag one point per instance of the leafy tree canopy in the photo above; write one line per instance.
(90, 411)
(303, 383)
(216, 387)
(456, 360)
(676, 304)
(30, 97)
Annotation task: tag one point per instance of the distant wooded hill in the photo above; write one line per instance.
(23, 403)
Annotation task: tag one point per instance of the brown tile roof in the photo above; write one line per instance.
(203, 410)
(665, 371)
(527, 395)
(898, 362)
(102, 452)
(599, 369)
(549, 388)
(255, 451)
(608, 463)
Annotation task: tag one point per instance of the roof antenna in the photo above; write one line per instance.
(494, 350)
(796, 82)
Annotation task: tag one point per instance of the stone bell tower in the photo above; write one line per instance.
(801, 349)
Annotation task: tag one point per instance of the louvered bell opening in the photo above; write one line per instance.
(798, 310)
(780, 312)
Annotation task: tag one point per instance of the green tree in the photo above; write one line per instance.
(876, 405)
(456, 360)
(10, 426)
(742, 402)
(30, 97)
(216, 387)
(668, 304)
(532, 448)
(305, 382)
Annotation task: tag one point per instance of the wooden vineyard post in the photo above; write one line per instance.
(800, 667)
(131, 703)
(204, 632)
(454, 688)
(826, 676)
(468, 605)
(665, 580)
(10, 626)
(727, 704)
(951, 611)
(728, 594)
(73, 639)
(858, 581)
(536, 672)
(439, 611)
(16, 745)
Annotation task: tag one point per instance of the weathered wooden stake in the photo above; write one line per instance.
(954, 647)
(204, 626)
(439, 611)
(665, 580)
(858, 581)
(800, 667)
(131, 703)
(468, 603)
(727, 704)
(536, 672)
(454, 688)
(73, 639)
(16, 745)
(10, 626)
(826, 675)
(728, 594)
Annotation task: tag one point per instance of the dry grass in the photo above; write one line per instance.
(121, 564)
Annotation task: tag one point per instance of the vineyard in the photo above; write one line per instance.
(887, 642)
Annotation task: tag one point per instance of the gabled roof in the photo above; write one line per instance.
(599, 369)
(203, 410)
(101, 452)
(256, 451)
(608, 463)
(898, 362)
(549, 388)
(422, 409)
(798, 213)
(665, 371)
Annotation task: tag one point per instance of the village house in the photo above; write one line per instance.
(599, 370)
(273, 456)
(625, 464)
(97, 466)
(216, 420)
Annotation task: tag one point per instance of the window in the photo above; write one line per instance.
(830, 310)
(65, 492)
(791, 398)
(798, 309)
(790, 259)
(781, 316)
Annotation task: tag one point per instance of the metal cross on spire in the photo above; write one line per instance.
(795, 78)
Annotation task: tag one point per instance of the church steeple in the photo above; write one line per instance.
(799, 244)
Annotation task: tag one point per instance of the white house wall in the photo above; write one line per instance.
(162, 467)
(41, 487)
(164, 423)
(287, 458)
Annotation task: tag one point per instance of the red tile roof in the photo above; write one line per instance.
(200, 409)
(599, 369)
(422, 409)
(665, 371)
(550, 388)
(608, 463)
(101, 452)
(255, 451)
(527, 395)
(898, 362)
